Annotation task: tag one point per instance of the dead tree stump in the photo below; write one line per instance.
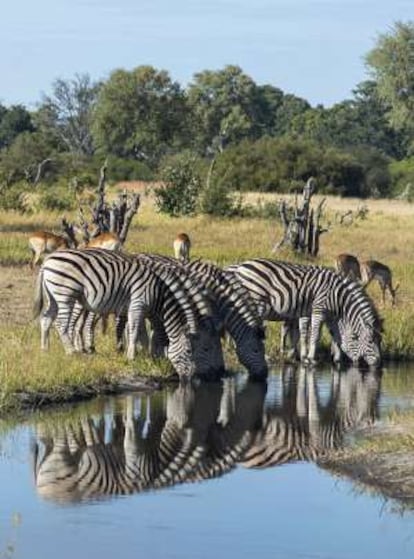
(113, 218)
(302, 223)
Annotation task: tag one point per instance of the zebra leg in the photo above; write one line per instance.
(159, 340)
(120, 330)
(76, 325)
(136, 319)
(284, 330)
(143, 339)
(48, 317)
(336, 352)
(88, 331)
(45, 325)
(303, 332)
(62, 326)
(294, 334)
(315, 334)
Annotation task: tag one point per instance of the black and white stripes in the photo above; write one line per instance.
(289, 292)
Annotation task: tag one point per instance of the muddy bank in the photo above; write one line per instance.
(23, 402)
(388, 471)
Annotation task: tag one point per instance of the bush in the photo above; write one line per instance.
(216, 200)
(181, 186)
(12, 198)
(402, 178)
(284, 165)
(57, 198)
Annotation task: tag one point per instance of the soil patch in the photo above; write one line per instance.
(16, 294)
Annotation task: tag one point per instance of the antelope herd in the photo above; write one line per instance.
(366, 271)
(44, 242)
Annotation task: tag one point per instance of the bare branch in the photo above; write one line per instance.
(129, 214)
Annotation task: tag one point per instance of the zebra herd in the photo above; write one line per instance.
(196, 432)
(191, 304)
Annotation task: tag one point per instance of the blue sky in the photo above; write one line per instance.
(312, 48)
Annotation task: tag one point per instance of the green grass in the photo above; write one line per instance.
(381, 236)
(57, 376)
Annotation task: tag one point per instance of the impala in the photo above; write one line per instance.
(182, 245)
(374, 270)
(347, 265)
(109, 241)
(44, 242)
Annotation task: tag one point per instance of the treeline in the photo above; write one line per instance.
(258, 137)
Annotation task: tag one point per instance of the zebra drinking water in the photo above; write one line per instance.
(286, 292)
(103, 282)
(233, 306)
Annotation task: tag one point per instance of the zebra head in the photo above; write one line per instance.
(359, 344)
(208, 353)
(251, 352)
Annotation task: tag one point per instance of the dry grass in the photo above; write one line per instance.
(381, 236)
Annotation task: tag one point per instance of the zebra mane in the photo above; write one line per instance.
(175, 286)
(227, 284)
(172, 268)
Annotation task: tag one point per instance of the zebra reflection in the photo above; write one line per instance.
(303, 426)
(201, 432)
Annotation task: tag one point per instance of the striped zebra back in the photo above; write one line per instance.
(289, 291)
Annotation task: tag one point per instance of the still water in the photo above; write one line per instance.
(220, 470)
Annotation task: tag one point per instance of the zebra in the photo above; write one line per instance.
(201, 432)
(301, 426)
(105, 281)
(208, 353)
(286, 291)
(234, 307)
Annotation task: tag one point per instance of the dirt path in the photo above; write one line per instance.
(16, 294)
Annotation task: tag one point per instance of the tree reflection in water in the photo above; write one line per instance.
(202, 431)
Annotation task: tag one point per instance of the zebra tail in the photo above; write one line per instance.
(38, 296)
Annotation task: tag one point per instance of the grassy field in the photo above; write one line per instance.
(386, 234)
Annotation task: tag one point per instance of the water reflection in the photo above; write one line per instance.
(199, 432)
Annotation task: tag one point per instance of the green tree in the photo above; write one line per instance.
(66, 114)
(13, 121)
(28, 158)
(391, 63)
(140, 114)
(360, 121)
(223, 104)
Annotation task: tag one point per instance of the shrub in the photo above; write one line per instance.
(181, 186)
(58, 198)
(12, 198)
(402, 178)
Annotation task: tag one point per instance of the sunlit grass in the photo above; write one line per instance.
(25, 368)
(387, 234)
